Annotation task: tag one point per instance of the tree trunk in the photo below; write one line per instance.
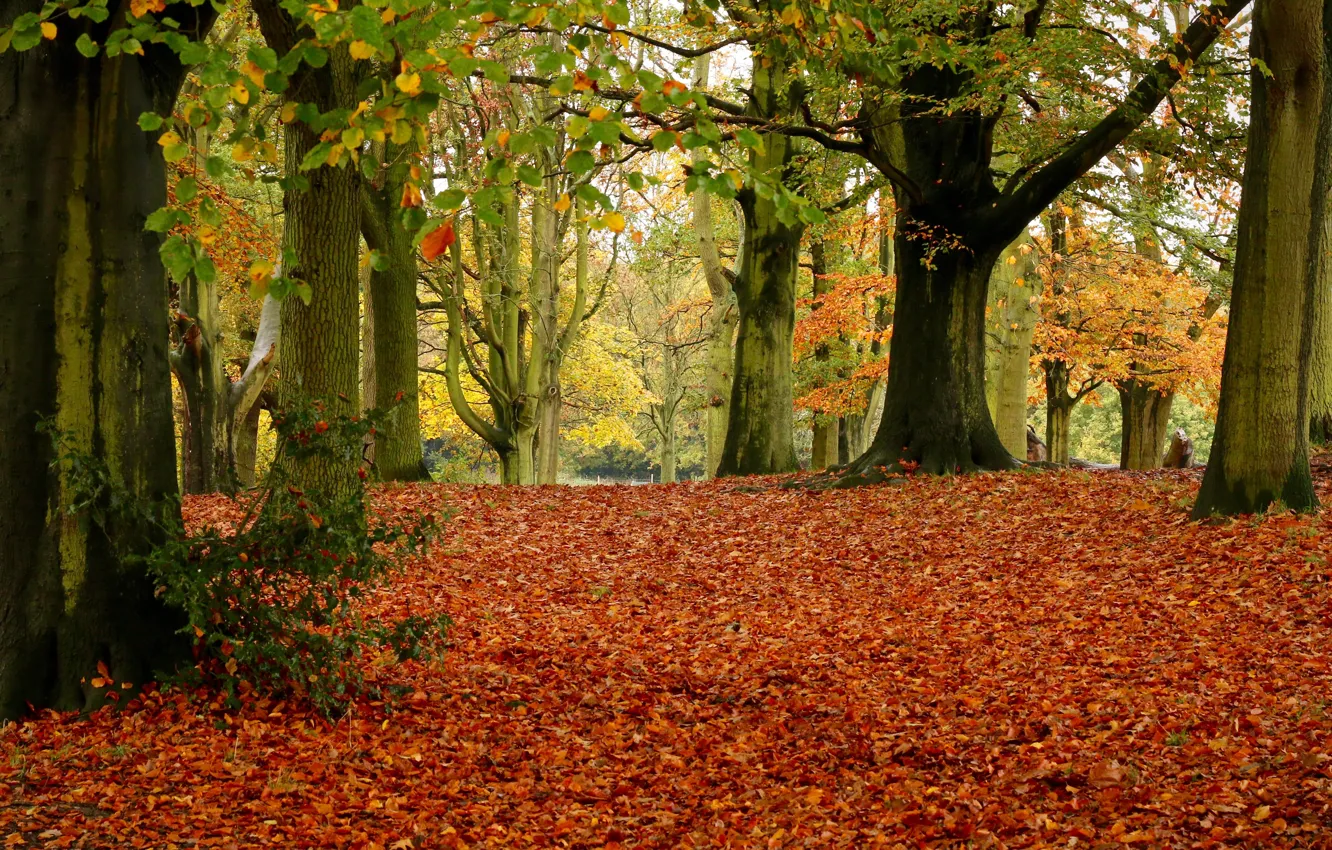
(826, 430)
(322, 226)
(722, 316)
(1058, 407)
(245, 443)
(1144, 418)
(844, 441)
(83, 340)
(760, 430)
(548, 428)
(1260, 452)
(197, 364)
(1012, 315)
(934, 411)
(390, 375)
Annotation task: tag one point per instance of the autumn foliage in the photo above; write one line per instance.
(922, 664)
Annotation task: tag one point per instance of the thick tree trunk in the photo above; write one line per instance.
(83, 342)
(1012, 315)
(1144, 419)
(390, 375)
(320, 348)
(245, 443)
(1260, 452)
(934, 412)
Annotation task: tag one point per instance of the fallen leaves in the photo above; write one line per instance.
(1001, 660)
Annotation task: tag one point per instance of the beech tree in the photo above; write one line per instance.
(83, 347)
(1260, 453)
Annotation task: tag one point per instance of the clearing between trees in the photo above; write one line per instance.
(1009, 660)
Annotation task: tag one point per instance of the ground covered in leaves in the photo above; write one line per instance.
(996, 661)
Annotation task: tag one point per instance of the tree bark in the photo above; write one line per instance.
(1144, 419)
(1012, 315)
(322, 227)
(760, 430)
(722, 315)
(83, 342)
(390, 375)
(1260, 452)
(934, 413)
(1058, 407)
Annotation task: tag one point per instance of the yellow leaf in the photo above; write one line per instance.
(168, 138)
(598, 113)
(353, 137)
(408, 84)
(503, 138)
(563, 203)
(402, 132)
(361, 49)
(387, 16)
(288, 112)
(48, 30)
(536, 16)
(1262, 813)
(254, 72)
(335, 155)
(614, 222)
(621, 39)
(239, 92)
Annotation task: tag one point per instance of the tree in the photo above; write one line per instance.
(320, 339)
(390, 306)
(1011, 315)
(1260, 454)
(83, 338)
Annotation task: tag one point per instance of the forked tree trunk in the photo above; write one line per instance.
(1144, 419)
(83, 342)
(1260, 452)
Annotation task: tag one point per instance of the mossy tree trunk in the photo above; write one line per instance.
(760, 430)
(391, 350)
(1144, 418)
(320, 348)
(1260, 452)
(83, 343)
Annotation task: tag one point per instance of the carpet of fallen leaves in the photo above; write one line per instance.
(1009, 660)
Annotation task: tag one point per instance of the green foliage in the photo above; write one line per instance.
(272, 600)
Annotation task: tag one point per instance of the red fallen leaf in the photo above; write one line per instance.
(437, 241)
(1107, 774)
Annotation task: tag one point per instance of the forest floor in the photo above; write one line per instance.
(1018, 660)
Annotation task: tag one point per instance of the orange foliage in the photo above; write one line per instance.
(238, 242)
(1121, 315)
(845, 314)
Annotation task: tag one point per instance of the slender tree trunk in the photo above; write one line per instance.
(1320, 360)
(197, 363)
(760, 431)
(1012, 315)
(389, 377)
(1260, 452)
(826, 430)
(722, 316)
(1058, 407)
(322, 226)
(548, 428)
(1144, 419)
(245, 440)
(83, 342)
(844, 442)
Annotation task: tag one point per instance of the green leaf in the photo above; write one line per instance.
(663, 141)
(635, 180)
(378, 261)
(749, 138)
(265, 57)
(204, 269)
(619, 13)
(577, 126)
(215, 167)
(561, 86)
(496, 72)
(175, 153)
(303, 291)
(86, 46)
(367, 26)
(317, 156)
(450, 199)
(529, 175)
(187, 188)
(148, 120)
(580, 162)
(160, 221)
